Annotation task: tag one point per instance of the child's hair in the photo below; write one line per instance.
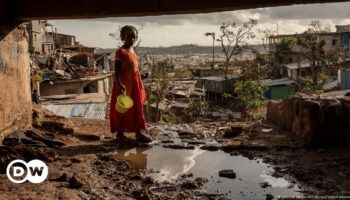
(125, 29)
(35, 91)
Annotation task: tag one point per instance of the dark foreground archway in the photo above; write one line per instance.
(65, 9)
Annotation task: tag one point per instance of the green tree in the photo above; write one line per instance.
(160, 81)
(250, 94)
(256, 69)
(265, 36)
(199, 106)
(283, 47)
(312, 49)
(182, 73)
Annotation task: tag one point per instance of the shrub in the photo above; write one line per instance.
(250, 94)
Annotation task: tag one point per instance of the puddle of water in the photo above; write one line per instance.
(171, 163)
(275, 182)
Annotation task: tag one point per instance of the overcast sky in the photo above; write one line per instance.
(168, 30)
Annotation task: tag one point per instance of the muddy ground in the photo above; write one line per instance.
(81, 164)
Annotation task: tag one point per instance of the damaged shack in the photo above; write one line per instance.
(217, 86)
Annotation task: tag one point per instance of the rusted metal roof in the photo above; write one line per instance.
(276, 82)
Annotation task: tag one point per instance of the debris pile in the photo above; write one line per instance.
(319, 121)
(66, 65)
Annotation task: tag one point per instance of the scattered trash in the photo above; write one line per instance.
(267, 130)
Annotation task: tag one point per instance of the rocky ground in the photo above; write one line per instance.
(81, 164)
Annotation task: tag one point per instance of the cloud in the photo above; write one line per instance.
(310, 11)
(214, 18)
(330, 11)
(169, 30)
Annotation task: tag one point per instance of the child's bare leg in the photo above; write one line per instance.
(142, 137)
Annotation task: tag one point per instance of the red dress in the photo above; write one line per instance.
(133, 120)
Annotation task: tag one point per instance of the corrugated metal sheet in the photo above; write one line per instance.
(220, 78)
(281, 92)
(96, 111)
(180, 105)
(275, 82)
(330, 85)
(344, 77)
(80, 110)
(65, 110)
(296, 65)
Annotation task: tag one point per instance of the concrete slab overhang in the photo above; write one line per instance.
(13, 10)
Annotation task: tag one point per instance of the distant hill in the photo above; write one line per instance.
(176, 50)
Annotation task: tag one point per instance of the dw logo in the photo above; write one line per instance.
(18, 171)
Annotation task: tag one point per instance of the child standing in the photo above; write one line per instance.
(128, 79)
(36, 82)
(35, 97)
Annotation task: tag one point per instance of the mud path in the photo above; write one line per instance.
(184, 162)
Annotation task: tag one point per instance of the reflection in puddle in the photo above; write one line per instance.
(275, 182)
(169, 162)
(250, 173)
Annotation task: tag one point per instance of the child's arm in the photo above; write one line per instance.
(118, 66)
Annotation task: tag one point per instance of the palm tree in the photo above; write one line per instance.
(212, 34)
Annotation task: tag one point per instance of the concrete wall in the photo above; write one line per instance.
(46, 89)
(15, 97)
(76, 87)
(217, 86)
(329, 41)
(101, 88)
(107, 85)
(36, 32)
(65, 40)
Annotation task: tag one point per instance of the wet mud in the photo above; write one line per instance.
(186, 161)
